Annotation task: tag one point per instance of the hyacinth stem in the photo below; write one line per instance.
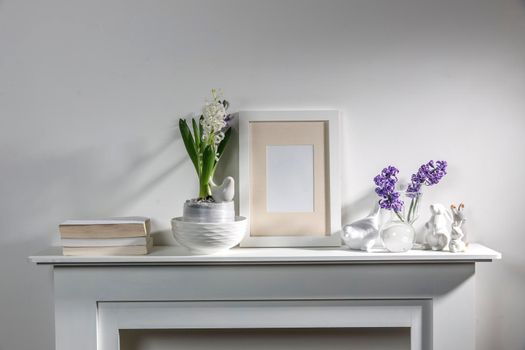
(399, 216)
(204, 191)
(416, 204)
(410, 209)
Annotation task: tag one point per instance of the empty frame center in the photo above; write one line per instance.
(289, 178)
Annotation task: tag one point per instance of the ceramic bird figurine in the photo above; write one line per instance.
(456, 234)
(437, 234)
(363, 234)
(223, 192)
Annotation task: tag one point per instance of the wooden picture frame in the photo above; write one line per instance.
(292, 155)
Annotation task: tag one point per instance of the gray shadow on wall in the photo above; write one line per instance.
(85, 183)
(229, 163)
(142, 163)
(123, 186)
(33, 310)
(359, 206)
(363, 204)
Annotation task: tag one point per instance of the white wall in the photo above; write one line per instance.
(90, 92)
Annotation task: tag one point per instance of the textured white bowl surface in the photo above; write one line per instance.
(208, 237)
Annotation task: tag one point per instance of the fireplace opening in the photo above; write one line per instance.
(267, 339)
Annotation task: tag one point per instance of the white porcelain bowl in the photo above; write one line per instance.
(208, 237)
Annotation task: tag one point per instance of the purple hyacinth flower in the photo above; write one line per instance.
(228, 120)
(386, 189)
(428, 174)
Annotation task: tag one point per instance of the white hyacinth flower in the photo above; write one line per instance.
(213, 114)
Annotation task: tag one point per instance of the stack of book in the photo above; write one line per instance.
(115, 236)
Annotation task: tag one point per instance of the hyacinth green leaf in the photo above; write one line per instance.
(189, 143)
(196, 134)
(208, 162)
(201, 130)
(224, 143)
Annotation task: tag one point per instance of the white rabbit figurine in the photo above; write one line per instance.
(363, 234)
(456, 235)
(437, 234)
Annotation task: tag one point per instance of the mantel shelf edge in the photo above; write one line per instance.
(171, 255)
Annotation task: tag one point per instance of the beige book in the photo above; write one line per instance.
(103, 242)
(108, 251)
(105, 228)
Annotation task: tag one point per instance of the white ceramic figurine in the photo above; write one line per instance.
(363, 234)
(437, 233)
(456, 235)
(223, 192)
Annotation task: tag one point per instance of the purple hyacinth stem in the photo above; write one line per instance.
(399, 216)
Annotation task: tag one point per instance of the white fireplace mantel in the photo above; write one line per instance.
(432, 293)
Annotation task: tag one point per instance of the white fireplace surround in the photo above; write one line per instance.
(432, 293)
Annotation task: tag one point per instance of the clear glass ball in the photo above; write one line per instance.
(397, 236)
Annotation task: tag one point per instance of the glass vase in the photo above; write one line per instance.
(412, 202)
(397, 236)
(411, 207)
